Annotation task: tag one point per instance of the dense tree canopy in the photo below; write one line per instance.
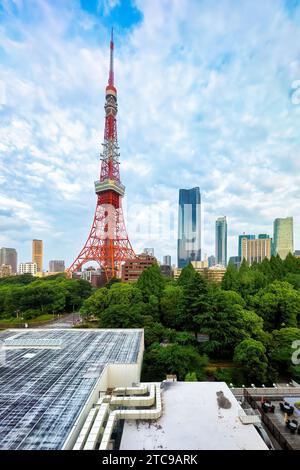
(278, 304)
(173, 359)
(250, 322)
(285, 351)
(251, 355)
(29, 297)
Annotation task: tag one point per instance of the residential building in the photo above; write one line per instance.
(211, 261)
(57, 266)
(215, 274)
(28, 268)
(5, 270)
(37, 254)
(133, 268)
(283, 237)
(256, 250)
(297, 253)
(9, 256)
(249, 237)
(221, 241)
(189, 226)
(198, 265)
(167, 261)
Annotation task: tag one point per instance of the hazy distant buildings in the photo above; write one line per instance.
(249, 237)
(8, 256)
(221, 241)
(149, 251)
(5, 270)
(167, 260)
(235, 261)
(283, 238)
(189, 227)
(257, 249)
(28, 268)
(211, 261)
(95, 276)
(56, 266)
(37, 254)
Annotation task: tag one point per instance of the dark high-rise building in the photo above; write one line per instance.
(189, 227)
(56, 266)
(8, 256)
(249, 237)
(167, 260)
(211, 261)
(221, 241)
(235, 261)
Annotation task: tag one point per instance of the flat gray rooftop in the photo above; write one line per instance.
(191, 419)
(47, 378)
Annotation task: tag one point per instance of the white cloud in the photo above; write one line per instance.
(204, 100)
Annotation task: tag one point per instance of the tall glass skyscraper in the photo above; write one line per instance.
(283, 238)
(221, 241)
(189, 226)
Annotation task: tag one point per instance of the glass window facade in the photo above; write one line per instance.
(221, 241)
(283, 237)
(189, 226)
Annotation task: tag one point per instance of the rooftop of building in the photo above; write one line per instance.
(192, 419)
(47, 376)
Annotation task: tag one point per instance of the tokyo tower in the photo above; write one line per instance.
(108, 242)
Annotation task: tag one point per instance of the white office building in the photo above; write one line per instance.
(28, 268)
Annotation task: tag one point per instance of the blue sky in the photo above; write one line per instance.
(207, 93)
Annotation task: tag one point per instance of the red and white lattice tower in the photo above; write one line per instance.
(108, 242)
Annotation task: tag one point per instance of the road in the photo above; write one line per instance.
(66, 321)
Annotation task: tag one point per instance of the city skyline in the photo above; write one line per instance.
(232, 129)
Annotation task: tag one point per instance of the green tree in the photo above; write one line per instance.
(172, 359)
(277, 266)
(227, 323)
(191, 377)
(230, 280)
(278, 304)
(291, 264)
(122, 316)
(151, 282)
(282, 351)
(96, 303)
(195, 301)
(293, 279)
(171, 305)
(186, 275)
(127, 294)
(251, 356)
